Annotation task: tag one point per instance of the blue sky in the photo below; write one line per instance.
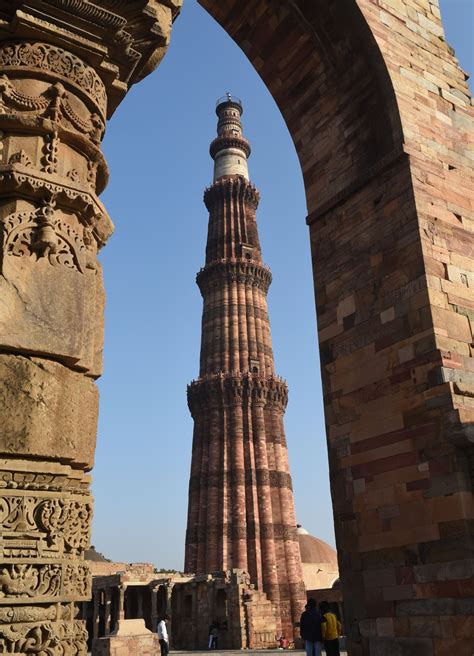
(157, 150)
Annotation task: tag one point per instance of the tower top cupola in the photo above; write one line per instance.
(230, 150)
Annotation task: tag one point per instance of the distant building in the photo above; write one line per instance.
(137, 595)
(319, 562)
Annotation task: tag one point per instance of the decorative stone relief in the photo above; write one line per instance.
(45, 515)
(41, 234)
(54, 103)
(68, 522)
(48, 639)
(56, 62)
(20, 158)
(50, 152)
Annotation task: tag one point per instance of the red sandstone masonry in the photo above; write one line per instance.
(248, 519)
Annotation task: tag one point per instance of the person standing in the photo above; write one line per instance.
(213, 635)
(330, 629)
(163, 635)
(310, 629)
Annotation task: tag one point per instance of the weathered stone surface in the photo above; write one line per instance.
(48, 411)
(130, 637)
(54, 311)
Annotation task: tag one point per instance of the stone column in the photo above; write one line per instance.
(108, 610)
(154, 608)
(96, 614)
(121, 608)
(58, 84)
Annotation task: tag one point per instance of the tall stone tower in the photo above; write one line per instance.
(241, 510)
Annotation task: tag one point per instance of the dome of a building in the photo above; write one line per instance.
(318, 560)
(314, 550)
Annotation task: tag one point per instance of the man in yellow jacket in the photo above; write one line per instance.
(330, 629)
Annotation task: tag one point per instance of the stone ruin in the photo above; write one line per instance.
(127, 605)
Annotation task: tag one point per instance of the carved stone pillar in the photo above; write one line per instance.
(121, 609)
(108, 610)
(64, 68)
(96, 613)
(154, 608)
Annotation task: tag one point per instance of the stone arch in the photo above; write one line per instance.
(332, 81)
(387, 213)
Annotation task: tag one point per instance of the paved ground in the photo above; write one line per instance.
(259, 652)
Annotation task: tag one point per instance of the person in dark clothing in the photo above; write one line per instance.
(213, 635)
(331, 629)
(310, 629)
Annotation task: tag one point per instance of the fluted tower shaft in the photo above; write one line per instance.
(241, 509)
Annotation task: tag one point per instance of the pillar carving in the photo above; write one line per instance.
(58, 85)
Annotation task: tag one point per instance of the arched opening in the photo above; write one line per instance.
(388, 226)
(220, 607)
(362, 131)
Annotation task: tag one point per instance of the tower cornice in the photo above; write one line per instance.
(244, 271)
(228, 389)
(235, 186)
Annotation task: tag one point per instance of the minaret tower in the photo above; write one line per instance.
(241, 510)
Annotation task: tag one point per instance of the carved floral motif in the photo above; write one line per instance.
(21, 158)
(49, 639)
(53, 103)
(56, 61)
(77, 581)
(20, 581)
(67, 521)
(64, 524)
(39, 233)
(17, 513)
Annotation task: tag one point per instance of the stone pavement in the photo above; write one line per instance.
(259, 652)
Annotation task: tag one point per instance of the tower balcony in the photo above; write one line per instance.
(229, 101)
(228, 140)
(249, 272)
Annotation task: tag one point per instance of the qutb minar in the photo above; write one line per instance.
(241, 509)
